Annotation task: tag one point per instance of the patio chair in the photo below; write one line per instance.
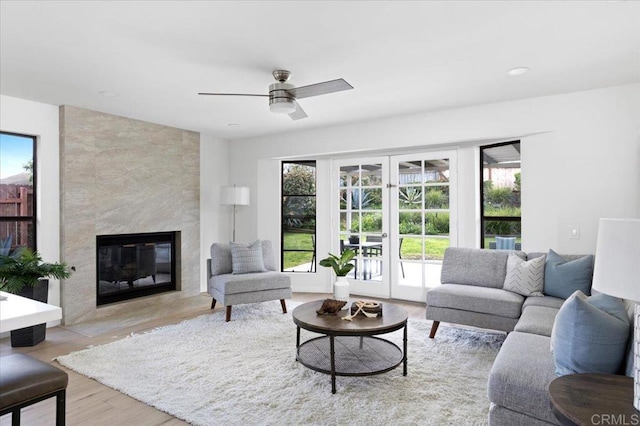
(375, 251)
(505, 243)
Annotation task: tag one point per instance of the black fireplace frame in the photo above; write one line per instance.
(139, 238)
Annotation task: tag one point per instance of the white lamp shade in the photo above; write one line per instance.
(235, 196)
(617, 263)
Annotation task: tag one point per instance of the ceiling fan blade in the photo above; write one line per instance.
(298, 113)
(320, 88)
(232, 94)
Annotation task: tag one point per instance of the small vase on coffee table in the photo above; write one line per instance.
(341, 290)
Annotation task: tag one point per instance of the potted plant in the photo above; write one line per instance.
(341, 266)
(24, 273)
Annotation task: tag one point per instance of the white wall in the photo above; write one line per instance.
(215, 220)
(41, 120)
(580, 154)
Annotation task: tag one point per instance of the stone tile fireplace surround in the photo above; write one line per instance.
(124, 176)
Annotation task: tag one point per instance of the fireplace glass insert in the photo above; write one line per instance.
(135, 265)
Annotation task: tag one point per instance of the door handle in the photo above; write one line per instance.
(384, 235)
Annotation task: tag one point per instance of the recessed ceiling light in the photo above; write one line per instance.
(107, 94)
(233, 125)
(518, 71)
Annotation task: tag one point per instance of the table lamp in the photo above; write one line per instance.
(235, 196)
(617, 273)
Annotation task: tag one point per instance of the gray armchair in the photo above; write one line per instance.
(234, 289)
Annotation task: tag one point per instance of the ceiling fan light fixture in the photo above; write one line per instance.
(282, 106)
(283, 96)
(280, 100)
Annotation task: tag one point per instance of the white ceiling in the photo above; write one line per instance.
(401, 57)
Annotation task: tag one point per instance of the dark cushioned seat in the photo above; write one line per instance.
(25, 380)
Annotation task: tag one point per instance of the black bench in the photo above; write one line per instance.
(25, 380)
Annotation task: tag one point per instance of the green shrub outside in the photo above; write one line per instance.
(502, 201)
(371, 222)
(436, 199)
(437, 223)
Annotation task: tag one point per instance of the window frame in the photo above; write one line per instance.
(34, 188)
(484, 218)
(283, 250)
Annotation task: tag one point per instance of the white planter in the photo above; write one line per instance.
(341, 290)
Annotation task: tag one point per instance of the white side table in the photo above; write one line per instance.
(20, 312)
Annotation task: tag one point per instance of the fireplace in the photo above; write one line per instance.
(135, 265)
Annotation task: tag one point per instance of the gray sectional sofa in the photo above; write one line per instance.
(471, 294)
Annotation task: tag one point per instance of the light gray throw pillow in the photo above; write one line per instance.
(268, 256)
(590, 334)
(525, 277)
(247, 258)
(220, 259)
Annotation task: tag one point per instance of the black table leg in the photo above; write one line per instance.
(297, 342)
(333, 363)
(404, 351)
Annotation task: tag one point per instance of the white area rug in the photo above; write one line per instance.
(244, 372)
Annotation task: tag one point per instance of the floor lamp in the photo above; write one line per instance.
(235, 196)
(617, 273)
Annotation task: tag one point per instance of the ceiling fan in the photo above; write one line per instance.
(283, 96)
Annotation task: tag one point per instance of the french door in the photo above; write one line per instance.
(423, 220)
(362, 224)
(398, 214)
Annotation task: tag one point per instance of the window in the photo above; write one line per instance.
(17, 191)
(500, 196)
(298, 216)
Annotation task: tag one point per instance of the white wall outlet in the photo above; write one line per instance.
(575, 232)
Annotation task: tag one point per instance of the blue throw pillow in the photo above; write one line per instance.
(562, 277)
(590, 335)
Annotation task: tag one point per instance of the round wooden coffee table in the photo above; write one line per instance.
(593, 399)
(349, 348)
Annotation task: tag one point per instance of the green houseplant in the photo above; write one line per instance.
(24, 273)
(24, 267)
(341, 266)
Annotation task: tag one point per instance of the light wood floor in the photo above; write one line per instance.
(88, 401)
